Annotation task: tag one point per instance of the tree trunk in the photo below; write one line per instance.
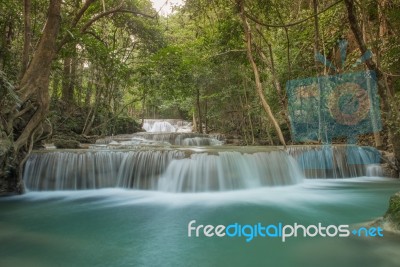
(248, 111)
(390, 113)
(198, 107)
(259, 88)
(194, 121)
(316, 27)
(205, 116)
(27, 36)
(33, 91)
(67, 94)
(8, 33)
(89, 122)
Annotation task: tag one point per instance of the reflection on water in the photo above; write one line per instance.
(118, 227)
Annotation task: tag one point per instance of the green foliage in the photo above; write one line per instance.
(193, 62)
(393, 212)
(7, 92)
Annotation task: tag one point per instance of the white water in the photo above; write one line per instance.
(162, 126)
(193, 170)
(170, 126)
(181, 139)
(336, 161)
(229, 171)
(198, 172)
(308, 191)
(156, 139)
(66, 170)
(374, 170)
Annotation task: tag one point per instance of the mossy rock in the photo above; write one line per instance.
(65, 143)
(393, 212)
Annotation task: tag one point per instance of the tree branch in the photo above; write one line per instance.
(86, 26)
(259, 89)
(81, 12)
(292, 23)
(27, 36)
(97, 37)
(74, 22)
(118, 9)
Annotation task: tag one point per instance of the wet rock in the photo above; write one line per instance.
(65, 143)
(388, 164)
(393, 212)
(388, 171)
(391, 220)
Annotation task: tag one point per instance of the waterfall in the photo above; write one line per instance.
(161, 138)
(181, 139)
(185, 169)
(142, 169)
(229, 171)
(72, 170)
(168, 125)
(335, 161)
(167, 170)
(161, 126)
(374, 170)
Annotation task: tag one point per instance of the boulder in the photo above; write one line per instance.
(65, 143)
(392, 215)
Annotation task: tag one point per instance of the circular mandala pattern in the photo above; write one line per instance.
(349, 104)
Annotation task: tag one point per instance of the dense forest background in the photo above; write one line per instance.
(81, 69)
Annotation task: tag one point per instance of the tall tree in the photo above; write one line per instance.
(22, 120)
(390, 111)
(259, 87)
(26, 105)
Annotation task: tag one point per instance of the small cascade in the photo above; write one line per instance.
(181, 139)
(202, 169)
(141, 170)
(159, 138)
(374, 170)
(168, 125)
(166, 170)
(161, 127)
(73, 170)
(200, 141)
(334, 161)
(229, 171)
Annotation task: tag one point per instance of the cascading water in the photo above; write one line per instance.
(162, 126)
(165, 170)
(374, 170)
(142, 169)
(160, 133)
(170, 125)
(160, 138)
(181, 139)
(336, 161)
(72, 170)
(195, 170)
(229, 171)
